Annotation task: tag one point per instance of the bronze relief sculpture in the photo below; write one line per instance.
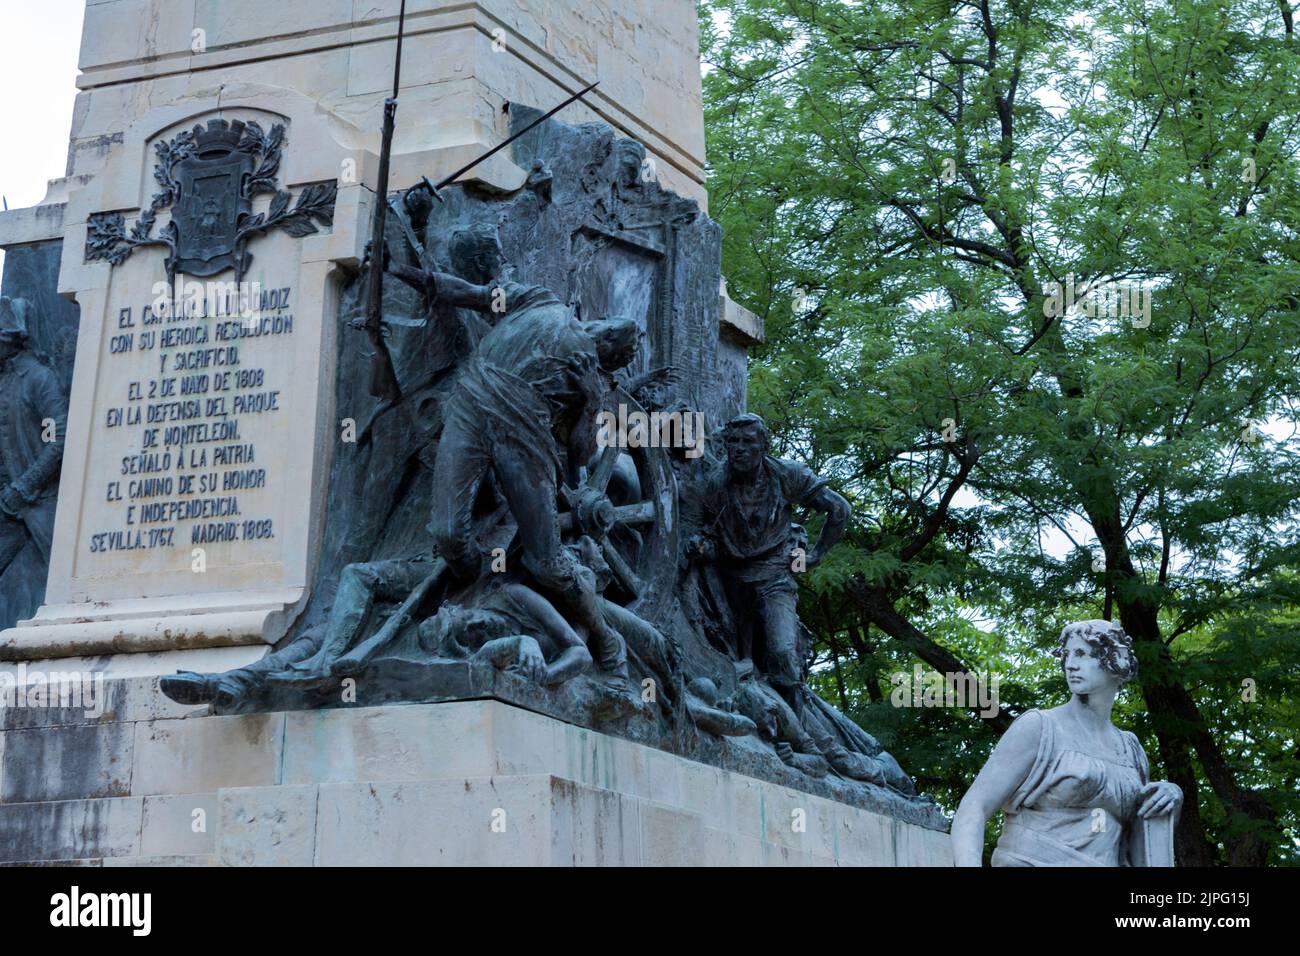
(486, 539)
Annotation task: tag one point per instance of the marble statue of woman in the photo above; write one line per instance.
(1074, 789)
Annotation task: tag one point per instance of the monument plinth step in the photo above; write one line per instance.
(132, 629)
(466, 782)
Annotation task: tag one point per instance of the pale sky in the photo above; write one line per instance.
(38, 69)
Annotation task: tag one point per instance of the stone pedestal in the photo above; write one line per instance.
(228, 410)
(462, 783)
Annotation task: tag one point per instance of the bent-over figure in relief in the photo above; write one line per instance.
(1074, 789)
(494, 442)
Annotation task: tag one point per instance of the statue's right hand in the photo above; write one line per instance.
(362, 324)
(700, 548)
(531, 663)
(368, 249)
(12, 501)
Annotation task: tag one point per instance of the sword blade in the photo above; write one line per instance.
(448, 180)
(397, 66)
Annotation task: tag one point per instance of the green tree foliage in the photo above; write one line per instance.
(904, 188)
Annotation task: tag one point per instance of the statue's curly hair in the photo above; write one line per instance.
(1109, 640)
(456, 630)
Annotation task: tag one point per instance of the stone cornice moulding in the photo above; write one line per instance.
(349, 35)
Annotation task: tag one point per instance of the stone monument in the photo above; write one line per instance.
(462, 519)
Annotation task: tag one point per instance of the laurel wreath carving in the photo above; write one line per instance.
(107, 236)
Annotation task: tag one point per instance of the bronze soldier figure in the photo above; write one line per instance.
(531, 388)
(33, 418)
(747, 530)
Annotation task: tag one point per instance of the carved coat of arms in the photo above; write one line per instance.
(209, 177)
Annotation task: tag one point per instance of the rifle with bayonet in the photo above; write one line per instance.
(383, 376)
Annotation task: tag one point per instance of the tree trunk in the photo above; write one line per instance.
(878, 608)
(839, 682)
(865, 653)
(1180, 728)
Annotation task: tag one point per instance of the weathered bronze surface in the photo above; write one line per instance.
(489, 534)
(33, 423)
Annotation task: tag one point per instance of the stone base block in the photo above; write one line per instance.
(149, 635)
(458, 783)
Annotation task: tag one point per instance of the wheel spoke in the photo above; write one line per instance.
(626, 576)
(604, 470)
(642, 512)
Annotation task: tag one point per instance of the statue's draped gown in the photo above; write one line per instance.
(1079, 799)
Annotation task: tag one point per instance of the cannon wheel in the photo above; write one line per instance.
(638, 538)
